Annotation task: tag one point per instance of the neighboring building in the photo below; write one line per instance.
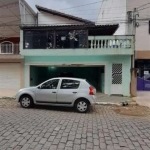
(13, 13)
(117, 11)
(65, 45)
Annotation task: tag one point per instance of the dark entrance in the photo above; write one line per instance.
(95, 75)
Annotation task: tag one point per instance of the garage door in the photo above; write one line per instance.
(9, 79)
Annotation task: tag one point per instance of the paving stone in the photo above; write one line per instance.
(49, 129)
(69, 144)
(63, 140)
(38, 147)
(103, 145)
(43, 141)
(61, 146)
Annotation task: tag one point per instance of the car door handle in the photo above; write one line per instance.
(74, 92)
(54, 92)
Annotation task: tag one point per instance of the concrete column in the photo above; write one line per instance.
(27, 76)
(22, 74)
(133, 86)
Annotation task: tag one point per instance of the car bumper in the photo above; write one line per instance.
(17, 97)
(93, 100)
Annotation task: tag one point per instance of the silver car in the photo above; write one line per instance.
(71, 92)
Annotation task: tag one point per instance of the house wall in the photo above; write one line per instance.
(46, 18)
(65, 61)
(142, 32)
(14, 40)
(113, 12)
(28, 16)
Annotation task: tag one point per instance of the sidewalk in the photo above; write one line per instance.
(105, 99)
(143, 98)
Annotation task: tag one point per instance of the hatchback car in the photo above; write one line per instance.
(70, 92)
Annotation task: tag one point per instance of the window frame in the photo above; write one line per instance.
(4, 43)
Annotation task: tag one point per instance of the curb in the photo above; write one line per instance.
(108, 103)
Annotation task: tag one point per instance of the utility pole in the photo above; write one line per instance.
(135, 25)
(133, 21)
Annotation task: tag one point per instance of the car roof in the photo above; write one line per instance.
(79, 79)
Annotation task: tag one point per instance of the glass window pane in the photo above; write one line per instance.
(52, 84)
(50, 40)
(71, 39)
(6, 47)
(38, 39)
(70, 84)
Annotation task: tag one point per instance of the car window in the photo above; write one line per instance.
(70, 84)
(52, 84)
(90, 83)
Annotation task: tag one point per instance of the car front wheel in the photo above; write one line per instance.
(82, 106)
(26, 101)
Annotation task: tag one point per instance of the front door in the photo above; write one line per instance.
(67, 92)
(47, 93)
(117, 86)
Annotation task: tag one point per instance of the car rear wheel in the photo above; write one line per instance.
(26, 101)
(82, 106)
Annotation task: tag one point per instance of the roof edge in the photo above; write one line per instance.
(29, 7)
(61, 14)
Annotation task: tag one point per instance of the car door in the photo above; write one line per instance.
(67, 91)
(47, 92)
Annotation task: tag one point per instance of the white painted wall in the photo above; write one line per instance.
(49, 19)
(28, 16)
(113, 12)
(142, 32)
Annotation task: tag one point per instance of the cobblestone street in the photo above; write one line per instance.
(50, 128)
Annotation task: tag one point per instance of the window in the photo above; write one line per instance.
(52, 84)
(70, 84)
(38, 39)
(7, 47)
(44, 39)
(71, 39)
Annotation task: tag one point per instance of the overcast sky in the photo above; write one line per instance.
(87, 12)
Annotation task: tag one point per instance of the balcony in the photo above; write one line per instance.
(10, 52)
(9, 48)
(96, 45)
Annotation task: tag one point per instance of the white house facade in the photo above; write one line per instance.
(117, 11)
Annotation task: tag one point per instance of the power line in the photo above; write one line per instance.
(82, 5)
(143, 8)
(143, 5)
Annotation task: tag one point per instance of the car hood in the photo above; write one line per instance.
(29, 88)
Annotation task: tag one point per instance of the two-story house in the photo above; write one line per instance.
(121, 11)
(12, 14)
(65, 45)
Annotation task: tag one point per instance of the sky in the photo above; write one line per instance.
(87, 12)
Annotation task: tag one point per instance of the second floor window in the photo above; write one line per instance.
(38, 40)
(6, 47)
(62, 39)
